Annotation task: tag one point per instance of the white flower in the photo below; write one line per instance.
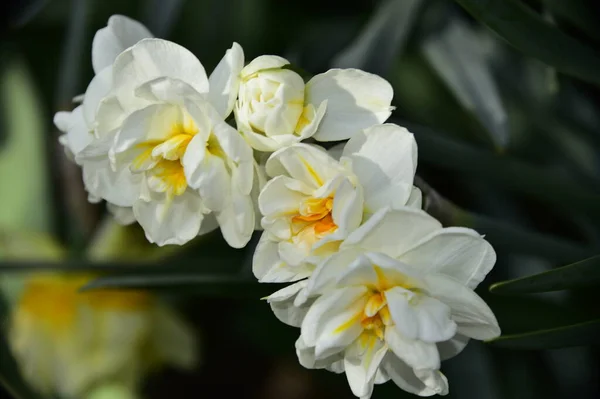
(68, 343)
(395, 300)
(78, 125)
(313, 201)
(161, 152)
(276, 109)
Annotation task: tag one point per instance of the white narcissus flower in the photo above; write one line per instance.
(314, 201)
(159, 145)
(275, 108)
(78, 125)
(394, 301)
(68, 343)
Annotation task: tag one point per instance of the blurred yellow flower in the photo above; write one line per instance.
(67, 342)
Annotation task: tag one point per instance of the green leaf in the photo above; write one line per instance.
(24, 195)
(529, 33)
(29, 246)
(502, 235)
(10, 377)
(456, 54)
(228, 286)
(581, 15)
(580, 274)
(535, 181)
(587, 333)
(382, 39)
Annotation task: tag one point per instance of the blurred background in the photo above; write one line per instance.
(503, 99)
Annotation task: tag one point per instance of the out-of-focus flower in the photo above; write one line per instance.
(314, 201)
(68, 343)
(275, 108)
(112, 391)
(395, 300)
(157, 141)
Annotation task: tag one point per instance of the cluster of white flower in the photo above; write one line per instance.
(378, 288)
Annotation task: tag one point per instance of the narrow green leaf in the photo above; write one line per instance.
(581, 334)
(529, 33)
(378, 45)
(228, 286)
(542, 184)
(24, 194)
(456, 54)
(580, 274)
(501, 234)
(580, 14)
(29, 246)
(10, 377)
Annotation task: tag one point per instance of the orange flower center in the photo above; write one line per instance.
(314, 221)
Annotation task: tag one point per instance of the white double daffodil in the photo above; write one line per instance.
(69, 343)
(314, 201)
(395, 300)
(157, 141)
(275, 108)
(78, 125)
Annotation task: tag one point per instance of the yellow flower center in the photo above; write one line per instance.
(313, 221)
(54, 302)
(161, 158)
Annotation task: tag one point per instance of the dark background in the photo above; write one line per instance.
(530, 184)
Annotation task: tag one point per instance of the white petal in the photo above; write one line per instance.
(281, 196)
(360, 272)
(333, 321)
(237, 220)
(150, 123)
(118, 186)
(154, 58)
(472, 315)
(123, 215)
(457, 252)
(78, 136)
(309, 164)
(343, 325)
(225, 80)
(175, 222)
(120, 33)
(452, 347)
(403, 313)
(269, 267)
(260, 142)
(416, 353)
(434, 380)
(98, 88)
(311, 128)
(435, 324)
(306, 357)
(263, 62)
(416, 199)
(404, 376)
(384, 158)
(239, 154)
(326, 275)
(361, 362)
(347, 210)
(170, 90)
(393, 231)
(109, 116)
(355, 100)
(282, 305)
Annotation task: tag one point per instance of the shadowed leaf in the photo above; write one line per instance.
(529, 33)
(580, 274)
(587, 333)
